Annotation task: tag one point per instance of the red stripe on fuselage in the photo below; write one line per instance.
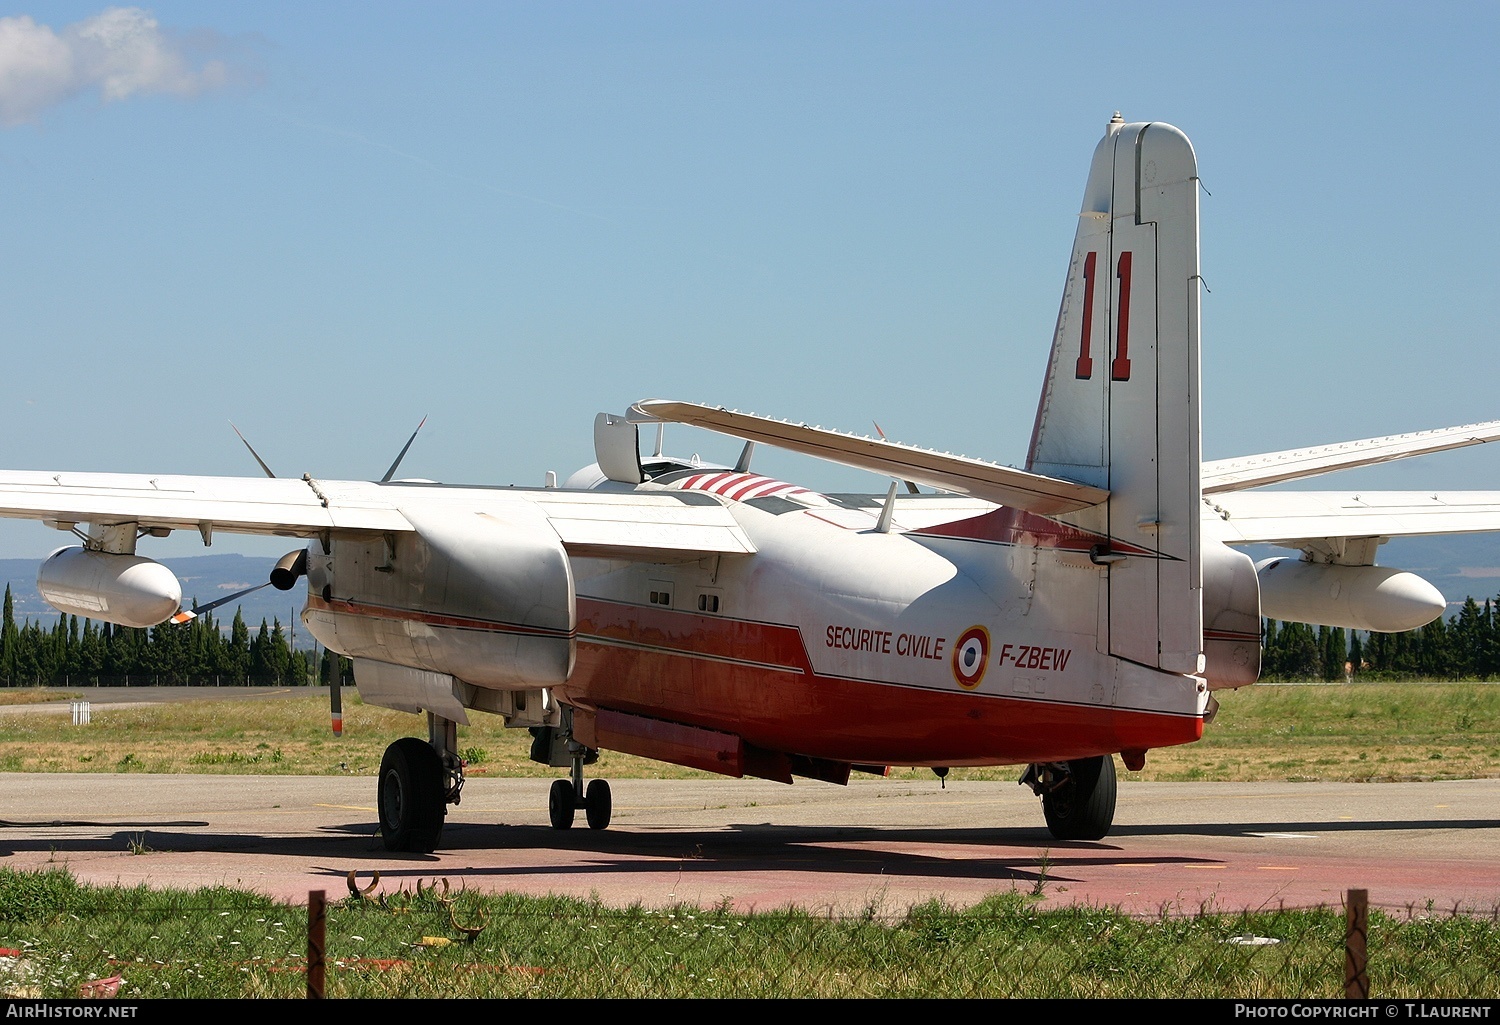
(1231, 635)
(368, 611)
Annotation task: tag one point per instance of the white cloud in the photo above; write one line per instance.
(121, 52)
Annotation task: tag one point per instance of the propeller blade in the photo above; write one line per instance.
(254, 453)
(392, 471)
(910, 487)
(188, 615)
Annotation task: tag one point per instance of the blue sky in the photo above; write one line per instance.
(325, 221)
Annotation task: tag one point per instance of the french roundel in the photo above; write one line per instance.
(970, 655)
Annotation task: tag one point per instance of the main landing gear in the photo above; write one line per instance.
(1078, 797)
(554, 745)
(418, 780)
(563, 801)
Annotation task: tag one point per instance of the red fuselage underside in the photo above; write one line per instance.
(755, 680)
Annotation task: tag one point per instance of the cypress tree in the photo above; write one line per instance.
(9, 639)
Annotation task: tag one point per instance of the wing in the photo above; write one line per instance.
(630, 524)
(1346, 526)
(1225, 475)
(1343, 527)
(241, 505)
(1004, 485)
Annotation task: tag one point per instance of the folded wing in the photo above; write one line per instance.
(1004, 485)
(1225, 475)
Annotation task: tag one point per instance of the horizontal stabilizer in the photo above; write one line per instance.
(1004, 485)
(1223, 475)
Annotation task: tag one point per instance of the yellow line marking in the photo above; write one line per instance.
(345, 807)
(1205, 866)
(1279, 868)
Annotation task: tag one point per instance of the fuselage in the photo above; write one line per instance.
(833, 640)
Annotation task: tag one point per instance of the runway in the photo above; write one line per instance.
(1176, 847)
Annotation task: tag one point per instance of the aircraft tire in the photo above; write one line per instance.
(1083, 808)
(410, 796)
(598, 805)
(561, 804)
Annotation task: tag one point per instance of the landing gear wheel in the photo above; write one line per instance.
(1083, 806)
(560, 804)
(410, 796)
(598, 805)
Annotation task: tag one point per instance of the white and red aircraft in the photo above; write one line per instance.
(1052, 617)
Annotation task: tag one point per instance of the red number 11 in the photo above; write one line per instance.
(1119, 369)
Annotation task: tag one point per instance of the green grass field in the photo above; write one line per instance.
(58, 937)
(1362, 732)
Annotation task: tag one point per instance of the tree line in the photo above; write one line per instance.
(74, 652)
(84, 653)
(1463, 647)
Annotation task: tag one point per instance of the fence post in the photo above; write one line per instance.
(1356, 931)
(317, 919)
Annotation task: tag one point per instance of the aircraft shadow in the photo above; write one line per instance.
(1021, 855)
(336, 850)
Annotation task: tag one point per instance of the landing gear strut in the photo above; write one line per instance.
(556, 746)
(1078, 797)
(418, 780)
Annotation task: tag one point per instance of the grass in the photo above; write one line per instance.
(281, 736)
(429, 943)
(1364, 732)
(33, 695)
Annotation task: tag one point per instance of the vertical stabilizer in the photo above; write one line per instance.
(1119, 408)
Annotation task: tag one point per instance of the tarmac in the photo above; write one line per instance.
(1417, 848)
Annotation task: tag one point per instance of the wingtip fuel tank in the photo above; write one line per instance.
(1378, 598)
(127, 590)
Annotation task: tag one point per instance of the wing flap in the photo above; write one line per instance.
(1005, 485)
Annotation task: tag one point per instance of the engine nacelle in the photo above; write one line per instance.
(127, 590)
(1377, 598)
(1231, 617)
(486, 598)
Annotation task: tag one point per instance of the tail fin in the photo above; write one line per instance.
(1119, 408)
